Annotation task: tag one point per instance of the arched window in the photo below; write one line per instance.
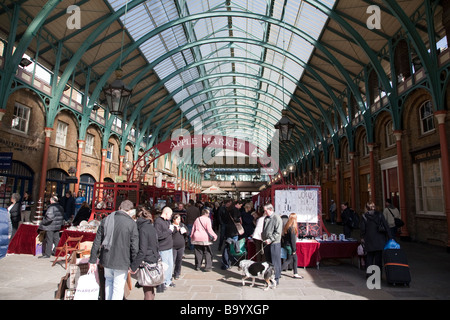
(390, 138)
(426, 117)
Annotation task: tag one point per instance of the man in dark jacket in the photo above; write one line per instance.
(68, 204)
(117, 242)
(51, 223)
(164, 230)
(192, 213)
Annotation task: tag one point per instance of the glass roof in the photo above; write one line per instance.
(248, 100)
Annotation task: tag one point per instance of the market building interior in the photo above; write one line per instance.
(180, 96)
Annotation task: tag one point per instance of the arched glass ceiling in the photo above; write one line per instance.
(151, 14)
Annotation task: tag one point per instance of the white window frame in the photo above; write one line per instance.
(390, 138)
(110, 152)
(61, 133)
(21, 115)
(89, 146)
(429, 118)
(420, 189)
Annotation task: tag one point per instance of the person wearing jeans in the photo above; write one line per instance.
(164, 230)
(271, 236)
(117, 245)
(115, 279)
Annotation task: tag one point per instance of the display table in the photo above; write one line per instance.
(87, 236)
(308, 253)
(311, 252)
(338, 249)
(24, 240)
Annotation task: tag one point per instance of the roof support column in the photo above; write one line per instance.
(401, 182)
(48, 134)
(78, 172)
(338, 191)
(372, 173)
(440, 116)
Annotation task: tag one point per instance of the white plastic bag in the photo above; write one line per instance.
(87, 288)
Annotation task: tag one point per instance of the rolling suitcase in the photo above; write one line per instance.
(396, 267)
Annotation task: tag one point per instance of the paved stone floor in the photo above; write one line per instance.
(25, 277)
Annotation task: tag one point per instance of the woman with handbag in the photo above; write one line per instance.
(374, 234)
(202, 237)
(148, 249)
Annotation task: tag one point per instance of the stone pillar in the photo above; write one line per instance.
(372, 173)
(43, 181)
(352, 179)
(102, 166)
(445, 160)
(78, 173)
(338, 191)
(121, 158)
(401, 178)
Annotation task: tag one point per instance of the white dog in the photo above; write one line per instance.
(263, 270)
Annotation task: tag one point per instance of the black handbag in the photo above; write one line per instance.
(398, 222)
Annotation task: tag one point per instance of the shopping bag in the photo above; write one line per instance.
(391, 244)
(87, 288)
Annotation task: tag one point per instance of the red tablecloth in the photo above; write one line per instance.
(308, 253)
(87, 236)
(24, 240)
(337, 249)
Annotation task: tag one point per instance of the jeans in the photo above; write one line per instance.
(51, 242)
(115, 283)
(273, 255)
(167, 258)
(177, 261)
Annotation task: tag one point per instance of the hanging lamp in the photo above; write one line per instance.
(285, 126)
(117, 94)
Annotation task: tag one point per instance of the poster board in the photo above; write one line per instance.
(303, 202)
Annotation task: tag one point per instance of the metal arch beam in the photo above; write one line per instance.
(195, 106)
(294, 97)
(12, 65)
(359, 40)
(429, 64)
(148, 119)
(59, 89)
(233, 39)
(226, 39)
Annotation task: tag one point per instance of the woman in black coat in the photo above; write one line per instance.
(83, 214)
(15, 212)
(179, 236)
(148, 246)
(374, 235)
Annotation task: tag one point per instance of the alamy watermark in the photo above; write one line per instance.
(374, 279)
(74, 20)
(374, 20)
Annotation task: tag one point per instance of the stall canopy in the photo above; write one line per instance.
(214, 190)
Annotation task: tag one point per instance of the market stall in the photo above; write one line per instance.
(108, 196)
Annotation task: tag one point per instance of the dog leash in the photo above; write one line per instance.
(262, 248)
